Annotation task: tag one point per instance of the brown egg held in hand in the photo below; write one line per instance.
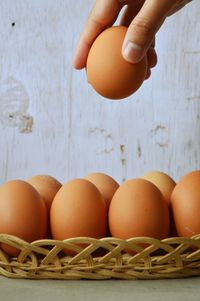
(78, 209)
(108, 72)
(22, 213)
(138, 209)
(185, 203)
(47, 187)
(106, 185)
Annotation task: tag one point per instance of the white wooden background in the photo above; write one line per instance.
(51, 120)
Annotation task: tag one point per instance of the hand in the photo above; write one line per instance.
(143, 19)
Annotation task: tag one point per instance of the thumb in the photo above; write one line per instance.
(143, 28)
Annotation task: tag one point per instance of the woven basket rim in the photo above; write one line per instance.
(104, 258)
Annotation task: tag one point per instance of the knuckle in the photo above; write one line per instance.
(143, 26)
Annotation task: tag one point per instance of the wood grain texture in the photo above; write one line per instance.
(74, 131)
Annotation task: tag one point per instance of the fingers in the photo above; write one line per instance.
(178, 6)
(143, 28)
(129, 14)
(148, 74)
(103, 14)
(127, 17)
(151, 57)
(151, 61)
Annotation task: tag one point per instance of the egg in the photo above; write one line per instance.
(108, 72)
(138, 209)
(164, 183)
(22, 213)
(185, 203)
(78, 209)
(106, 185)
(47, 186)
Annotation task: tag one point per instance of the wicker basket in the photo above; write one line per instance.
(105, 258)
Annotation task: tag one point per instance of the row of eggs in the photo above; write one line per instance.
(97, 206)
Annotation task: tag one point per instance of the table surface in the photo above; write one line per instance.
(177, 289)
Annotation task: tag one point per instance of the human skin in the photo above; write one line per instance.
(143, 19)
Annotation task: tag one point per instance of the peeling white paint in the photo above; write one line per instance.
(78, 131)
(106, 144)
(14, 103)
(161, 135)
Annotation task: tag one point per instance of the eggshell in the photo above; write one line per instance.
(138, 209)
(47, 186)
(164, 183)
(185, 202)
(108, 72)
(78, 209)
(106, 185)
(22, 213)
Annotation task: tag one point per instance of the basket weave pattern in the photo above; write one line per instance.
(104, 258)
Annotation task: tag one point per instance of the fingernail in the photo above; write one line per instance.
(132, 52)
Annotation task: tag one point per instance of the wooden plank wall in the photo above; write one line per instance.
(51, 120)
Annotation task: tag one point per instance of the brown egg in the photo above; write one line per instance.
(108, 72)
(185, 202)
(164, 183)
(22, 213)
(106, 185)
(138, 209)
(47, 187)
(78, 209)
